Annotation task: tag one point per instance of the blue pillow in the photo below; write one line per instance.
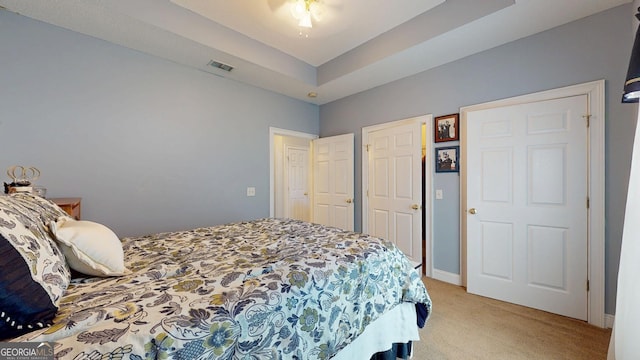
(34, 274)
(24, 303)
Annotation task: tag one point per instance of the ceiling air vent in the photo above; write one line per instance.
(220, 65)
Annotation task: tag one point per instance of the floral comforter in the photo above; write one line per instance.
(264, 289)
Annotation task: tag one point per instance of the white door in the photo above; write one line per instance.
(333, 174)
(395, 187)
(526, 209)
(297, 185)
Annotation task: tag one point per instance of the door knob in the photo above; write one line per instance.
(473, 211)
(349, 201)
(415, 206)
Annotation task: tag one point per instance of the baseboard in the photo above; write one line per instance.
(608, 320)
(447, 277)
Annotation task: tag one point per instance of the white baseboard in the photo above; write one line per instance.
(447, 277)
(608, 320)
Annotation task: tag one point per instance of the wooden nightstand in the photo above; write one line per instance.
(71, 205)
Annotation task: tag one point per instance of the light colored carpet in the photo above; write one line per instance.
(466, 326)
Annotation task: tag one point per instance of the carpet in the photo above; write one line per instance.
(467, 326)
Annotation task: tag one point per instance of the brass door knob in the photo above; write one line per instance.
(349, 201)
(473, 211)
(415, 206)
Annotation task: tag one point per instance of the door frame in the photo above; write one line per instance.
(273, 132)
(595, 92)
(427, 121)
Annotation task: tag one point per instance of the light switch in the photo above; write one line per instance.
(251, 191)
(439, 194)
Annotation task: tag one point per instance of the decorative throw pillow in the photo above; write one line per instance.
(34, 273)
(89, 247)
(25, 304)
(39, 207)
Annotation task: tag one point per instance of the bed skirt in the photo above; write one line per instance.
(397, 351)
(389, 335)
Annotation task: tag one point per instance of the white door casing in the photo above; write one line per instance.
(528, 174)
(333, 181)
(393, 207)
(297, 183)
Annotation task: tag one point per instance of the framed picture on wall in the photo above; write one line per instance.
(447, 159)
(446, 128)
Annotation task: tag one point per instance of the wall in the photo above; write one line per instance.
(592, 48)
(148, 144)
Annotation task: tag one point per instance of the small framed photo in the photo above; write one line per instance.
(446, 128)
(447, 159)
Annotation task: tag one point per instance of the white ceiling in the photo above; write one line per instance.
(342, 26)
(355, 45)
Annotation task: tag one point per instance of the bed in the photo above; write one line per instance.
(260, 289)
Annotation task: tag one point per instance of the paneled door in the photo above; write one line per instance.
(395, 187)
(333, 174)
(297, 185)
(526, 213)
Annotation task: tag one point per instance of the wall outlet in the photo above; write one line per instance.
(251, 191)
(439, 194)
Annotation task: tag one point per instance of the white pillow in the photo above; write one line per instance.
(89, 247)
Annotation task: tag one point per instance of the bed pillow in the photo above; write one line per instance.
(38, 208)
(89, 247)
(34, 274)
(25, 304)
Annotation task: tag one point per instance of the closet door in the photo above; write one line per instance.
(527, 208)
(394, 186)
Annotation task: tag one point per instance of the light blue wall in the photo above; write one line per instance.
(593, 48)
(148, 144)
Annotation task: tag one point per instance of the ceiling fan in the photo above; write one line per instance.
(306, 12)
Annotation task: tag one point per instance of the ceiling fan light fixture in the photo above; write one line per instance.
(303, 11)
(305, 21)
(316, 10)
(298, 9)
